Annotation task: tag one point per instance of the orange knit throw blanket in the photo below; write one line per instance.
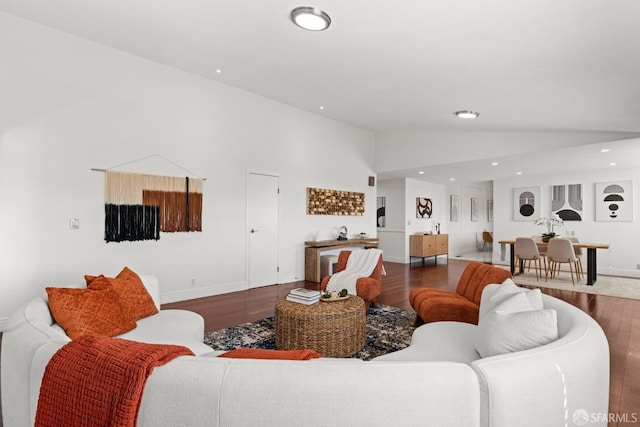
(98, 381)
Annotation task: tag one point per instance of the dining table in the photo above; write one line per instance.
(592, 273)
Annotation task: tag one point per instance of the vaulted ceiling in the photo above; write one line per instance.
(406, 65)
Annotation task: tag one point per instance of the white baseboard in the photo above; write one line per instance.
(202, 292)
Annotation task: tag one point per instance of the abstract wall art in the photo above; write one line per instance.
(566, 201)
(381, 212)
(526, 203)
(614, 201)
(321, 201)
(139, 207)
(424, 207)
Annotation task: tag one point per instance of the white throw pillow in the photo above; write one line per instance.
(514, 325)
(505, 290)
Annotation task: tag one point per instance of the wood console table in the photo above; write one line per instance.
(313, 251)
(426, 245)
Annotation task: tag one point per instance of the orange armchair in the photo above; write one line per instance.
(463, 305)
(367, 288)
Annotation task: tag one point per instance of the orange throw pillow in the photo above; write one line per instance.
(135, 299)
(259, 353)
(86, 311)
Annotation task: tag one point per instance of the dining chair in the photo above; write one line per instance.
(526, 250)
(561, 251)
(487, 239)
(542, 250)
(578, 252)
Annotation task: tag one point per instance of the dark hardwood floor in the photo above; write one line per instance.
(618, 317)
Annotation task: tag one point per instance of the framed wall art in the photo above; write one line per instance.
(474, 209)
(454, 208)
(614, 201)
(424, 207)
(381, 212)
(566, 201)
(526, 203)
(490, 210)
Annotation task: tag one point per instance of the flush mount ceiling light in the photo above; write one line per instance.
(467, 114)
(310, 18)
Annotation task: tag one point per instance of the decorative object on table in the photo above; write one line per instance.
(381, 212)
(549, 222)
(474, 209)
(363, 236)
(342, 233)
(321, 201)
(330, 296)
(614, 201)
(454, 209)
(525, 203)
(566, 201)
(438, 228)
(303, 296)
(424, 207)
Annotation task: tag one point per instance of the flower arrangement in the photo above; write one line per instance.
(549, 222)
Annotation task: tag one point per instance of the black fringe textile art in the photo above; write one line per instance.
(139, 207)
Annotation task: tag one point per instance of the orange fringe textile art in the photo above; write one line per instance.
(139, 207)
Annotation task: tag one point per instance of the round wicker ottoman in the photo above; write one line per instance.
(333, 329)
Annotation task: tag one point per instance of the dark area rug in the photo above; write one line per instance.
(388, 329)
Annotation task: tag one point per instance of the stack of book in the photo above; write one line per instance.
(303, 296)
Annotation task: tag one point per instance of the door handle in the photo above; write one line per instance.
(253, 230)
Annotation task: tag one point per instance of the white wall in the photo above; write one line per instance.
(623, 236)
(392, 237)
(69, 105)
(465, 236)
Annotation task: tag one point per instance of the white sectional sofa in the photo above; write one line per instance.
(437, 381)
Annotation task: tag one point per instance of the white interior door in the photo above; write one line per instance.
(263, 229)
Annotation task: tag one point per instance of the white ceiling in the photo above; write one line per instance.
(403, 65)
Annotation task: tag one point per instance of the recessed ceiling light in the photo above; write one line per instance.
(310, 18)
(605, 150)
(494, 164)
(466, 114)
(518, 173)
(421, 172)
(612, 164)
(219, 71)
(452, 179)
(322, 107)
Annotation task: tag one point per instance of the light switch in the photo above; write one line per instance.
(74, 223)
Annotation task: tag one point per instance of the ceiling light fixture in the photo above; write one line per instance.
(518, 173)
(612, 164)
(466, 114)
(421, 172)
(605, 150)
(310, 18)
(494, 164)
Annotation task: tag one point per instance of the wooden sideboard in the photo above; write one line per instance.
(313, 252)
(427, 245)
